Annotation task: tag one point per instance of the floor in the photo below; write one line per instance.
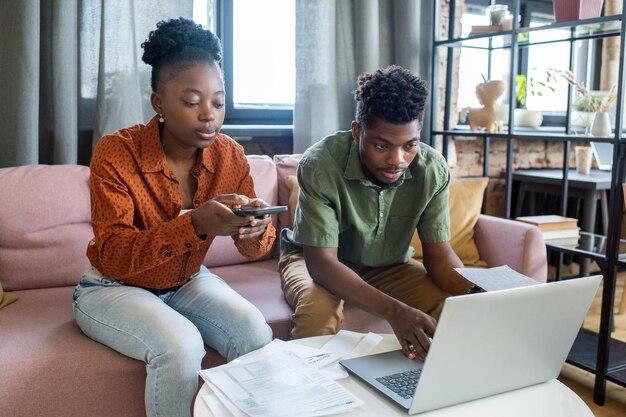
(581, 381)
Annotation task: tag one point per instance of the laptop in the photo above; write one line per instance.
(486, 344)
(603, 153)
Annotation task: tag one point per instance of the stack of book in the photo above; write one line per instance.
(556, 230)
(480, 29)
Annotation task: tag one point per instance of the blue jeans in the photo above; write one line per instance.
(168, 329)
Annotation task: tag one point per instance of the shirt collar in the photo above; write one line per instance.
(153, 155)
(354, 168)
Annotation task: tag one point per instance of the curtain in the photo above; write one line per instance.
(336, 40)
(71, 72)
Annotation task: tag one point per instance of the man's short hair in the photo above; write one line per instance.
(393, 94)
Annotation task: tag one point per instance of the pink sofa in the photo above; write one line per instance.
(49, 368)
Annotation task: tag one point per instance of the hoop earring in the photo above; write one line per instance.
(161, 119)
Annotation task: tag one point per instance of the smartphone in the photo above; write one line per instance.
(258, 211)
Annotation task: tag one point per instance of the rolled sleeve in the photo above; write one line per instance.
(316, 222)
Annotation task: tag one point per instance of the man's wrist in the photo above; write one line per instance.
(475, 289)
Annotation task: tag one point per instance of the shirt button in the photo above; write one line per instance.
(168, 254)
(187, 245)
(187, 254)
(196, 173)
(196, 202)
(381, 214)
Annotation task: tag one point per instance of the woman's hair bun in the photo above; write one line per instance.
(179, 40)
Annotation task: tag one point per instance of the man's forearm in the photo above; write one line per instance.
(440, 261)
(441, 271)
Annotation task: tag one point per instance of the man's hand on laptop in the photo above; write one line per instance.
(414, 330)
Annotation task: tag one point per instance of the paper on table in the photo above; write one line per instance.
(317, 358)
(277, 386)
(494, 279)
(221, 406)
(348, 344)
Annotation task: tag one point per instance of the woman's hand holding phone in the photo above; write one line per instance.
(258, 211)
(217, 218)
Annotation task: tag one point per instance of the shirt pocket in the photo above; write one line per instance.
(397, 237)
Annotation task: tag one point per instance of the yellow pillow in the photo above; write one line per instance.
(6, 298)
(465, 201)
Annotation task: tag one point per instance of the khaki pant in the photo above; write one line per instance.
(319, 312)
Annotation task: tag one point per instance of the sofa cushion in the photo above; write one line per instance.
(465, 202)
(263, 172)
(259, 282)
(286, 166)
(47, 349)
(45, 225)
(294, 189)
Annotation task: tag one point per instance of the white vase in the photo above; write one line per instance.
(601, 125)
(528, 118)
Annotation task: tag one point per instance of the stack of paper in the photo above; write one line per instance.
(283, 377)
(556, 230)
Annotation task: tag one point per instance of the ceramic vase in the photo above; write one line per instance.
(528, 118)
(601, 125)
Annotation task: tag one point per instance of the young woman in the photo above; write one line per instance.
(160, 193)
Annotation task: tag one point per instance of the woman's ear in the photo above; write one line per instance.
(155, 100)
(356, 131)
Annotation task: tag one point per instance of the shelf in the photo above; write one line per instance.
(511, 50)
(583, 354)
(541, 133)
(600, 27)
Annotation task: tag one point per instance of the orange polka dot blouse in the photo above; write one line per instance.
(139, 237)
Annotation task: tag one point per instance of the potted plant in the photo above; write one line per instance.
(588, 102)
(583, 110)
(535, 86)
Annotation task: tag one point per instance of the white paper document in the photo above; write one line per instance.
(281, 379)
(494, 279)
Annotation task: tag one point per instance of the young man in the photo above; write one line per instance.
(363, 194)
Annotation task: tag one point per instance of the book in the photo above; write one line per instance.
(560, 233)
(550, 222)
(480, 29)
(567, 241)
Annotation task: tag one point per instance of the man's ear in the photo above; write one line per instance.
(155, 100)
(356, 131)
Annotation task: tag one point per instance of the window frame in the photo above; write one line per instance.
(241, 116)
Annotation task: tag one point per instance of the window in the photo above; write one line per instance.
(541, 58)
(474, 62)
(258, 38)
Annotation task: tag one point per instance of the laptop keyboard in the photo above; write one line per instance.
(402, 383)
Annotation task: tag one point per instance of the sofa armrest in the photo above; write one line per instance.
(509, 242)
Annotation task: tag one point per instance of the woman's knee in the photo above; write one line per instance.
(182, 348)
(250, 332)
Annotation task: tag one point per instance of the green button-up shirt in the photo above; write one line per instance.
(371, 226)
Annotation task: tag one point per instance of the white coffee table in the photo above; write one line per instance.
(550, 399)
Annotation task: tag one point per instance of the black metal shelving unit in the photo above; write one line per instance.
(596, 352)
